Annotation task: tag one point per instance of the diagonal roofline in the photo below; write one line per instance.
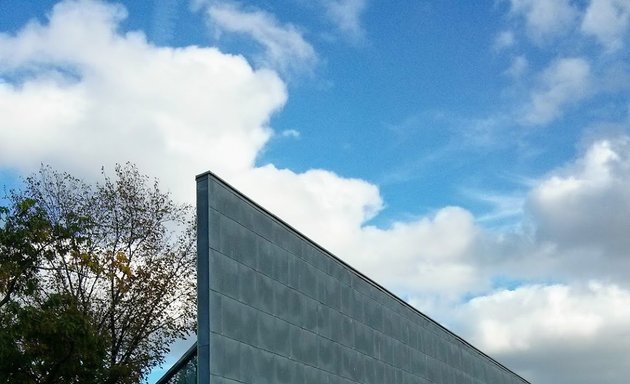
(210, 174)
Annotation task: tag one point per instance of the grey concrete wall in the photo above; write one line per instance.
(276, 308)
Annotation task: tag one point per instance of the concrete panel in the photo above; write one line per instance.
(274, 307)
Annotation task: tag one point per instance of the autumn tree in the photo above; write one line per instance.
(44, 338)
(117, 258)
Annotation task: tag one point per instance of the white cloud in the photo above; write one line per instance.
(564, 82)
(503, 40)
(290, 133)
(608, 21)
(340, 205)
(545, 20)
(285, 47)
(174, 112)
(503, 206)
(575, 331)
(346, 16)
(442, 255)
(518, 67)
(437, 255)
(570, 333)
(537, 314)
(585, 209)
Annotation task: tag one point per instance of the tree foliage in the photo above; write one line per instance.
(50, 343)
(114, 261)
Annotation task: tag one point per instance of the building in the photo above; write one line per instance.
(276, 308)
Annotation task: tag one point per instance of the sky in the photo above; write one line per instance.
(472, 157)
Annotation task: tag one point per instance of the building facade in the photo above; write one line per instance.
(276, 308)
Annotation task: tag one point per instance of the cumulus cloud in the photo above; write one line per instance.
(564, 82)
(545, 20)
(608, 21)
(580, 215)
(340, 205)
(584, 211)
(285, 48)
(570, 333)
(435, 255)
(574, 330)
(88, 92)
(438, 255)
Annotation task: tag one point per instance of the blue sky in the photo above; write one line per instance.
(473, 157)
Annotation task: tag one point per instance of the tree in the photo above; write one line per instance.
(41, 340)
(26, 236)
(121, 253)
(50, 343)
